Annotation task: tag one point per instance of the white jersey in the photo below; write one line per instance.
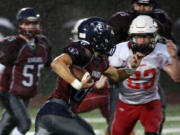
(142, 86)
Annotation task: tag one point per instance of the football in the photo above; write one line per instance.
(79, 72)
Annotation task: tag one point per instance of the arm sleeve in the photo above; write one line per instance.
(165, 58)
(7, 56)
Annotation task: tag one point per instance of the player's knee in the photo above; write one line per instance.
(24, 126)
(150, 133)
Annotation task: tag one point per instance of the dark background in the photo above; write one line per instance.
(59, 15)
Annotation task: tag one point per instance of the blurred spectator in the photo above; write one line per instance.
(6, 27)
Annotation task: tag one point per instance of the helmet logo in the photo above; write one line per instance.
(99, 28)
(106, 41)
(73, 50)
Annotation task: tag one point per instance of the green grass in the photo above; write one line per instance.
(170, 127)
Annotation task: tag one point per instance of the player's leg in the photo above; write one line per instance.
(17, 109)
(62, 120)
(97, 100)
(115, 89)
(151, 123)
(113, 99)
(104, 109)
(125, 118)
(60, 125)
(161, 93)
(7, 123)
(93, 101)
(16, 132)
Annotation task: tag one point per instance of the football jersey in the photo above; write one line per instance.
(142, 86)
(82, 55)
(23, 64)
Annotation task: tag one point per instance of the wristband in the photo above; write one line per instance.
(76, 84)
(85, 76)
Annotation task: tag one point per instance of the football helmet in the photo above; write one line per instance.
(98, 34)
(145, 2)
(25, 17)
(75, 28)
(143, 25)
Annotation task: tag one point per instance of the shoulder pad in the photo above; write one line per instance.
(159, 11)
(42, 36)
(79, 42)
(44, 39)
(10, 38)
(122, 13)
(84, 43)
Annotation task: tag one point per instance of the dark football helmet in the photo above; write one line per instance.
(98, 34)
(25, 17)
(145, 2)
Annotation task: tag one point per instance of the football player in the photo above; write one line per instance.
(98, 98)
(23, 55)
(120, 21)
(139, 96)
(95, 43)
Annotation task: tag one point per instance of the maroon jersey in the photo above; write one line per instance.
(23, 64)
(83, 56)
(121, 21)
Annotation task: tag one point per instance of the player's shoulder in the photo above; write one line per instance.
(161, 46)
(122, 50)
(78, 43)
(121, 18)
(78, 46)
(161, 49)
(44, 39)
(123, 46)
(159, 12)
(121, 55)
(122, 13)
(10, 39)
(14, 41)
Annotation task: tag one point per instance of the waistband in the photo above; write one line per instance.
(59, 101)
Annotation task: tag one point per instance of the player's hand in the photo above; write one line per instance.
(172, 49)
(136, 59)
(101, 82)
(87, 82)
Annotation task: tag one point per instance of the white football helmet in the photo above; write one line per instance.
(143, 25)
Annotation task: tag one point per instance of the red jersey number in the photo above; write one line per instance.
(147, 74)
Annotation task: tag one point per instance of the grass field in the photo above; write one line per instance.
(172, 124)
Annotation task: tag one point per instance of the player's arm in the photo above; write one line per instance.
(123, 73)
(48, 45)
(173, 69)
(61, 66)
(116, 74)
(8, 53)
